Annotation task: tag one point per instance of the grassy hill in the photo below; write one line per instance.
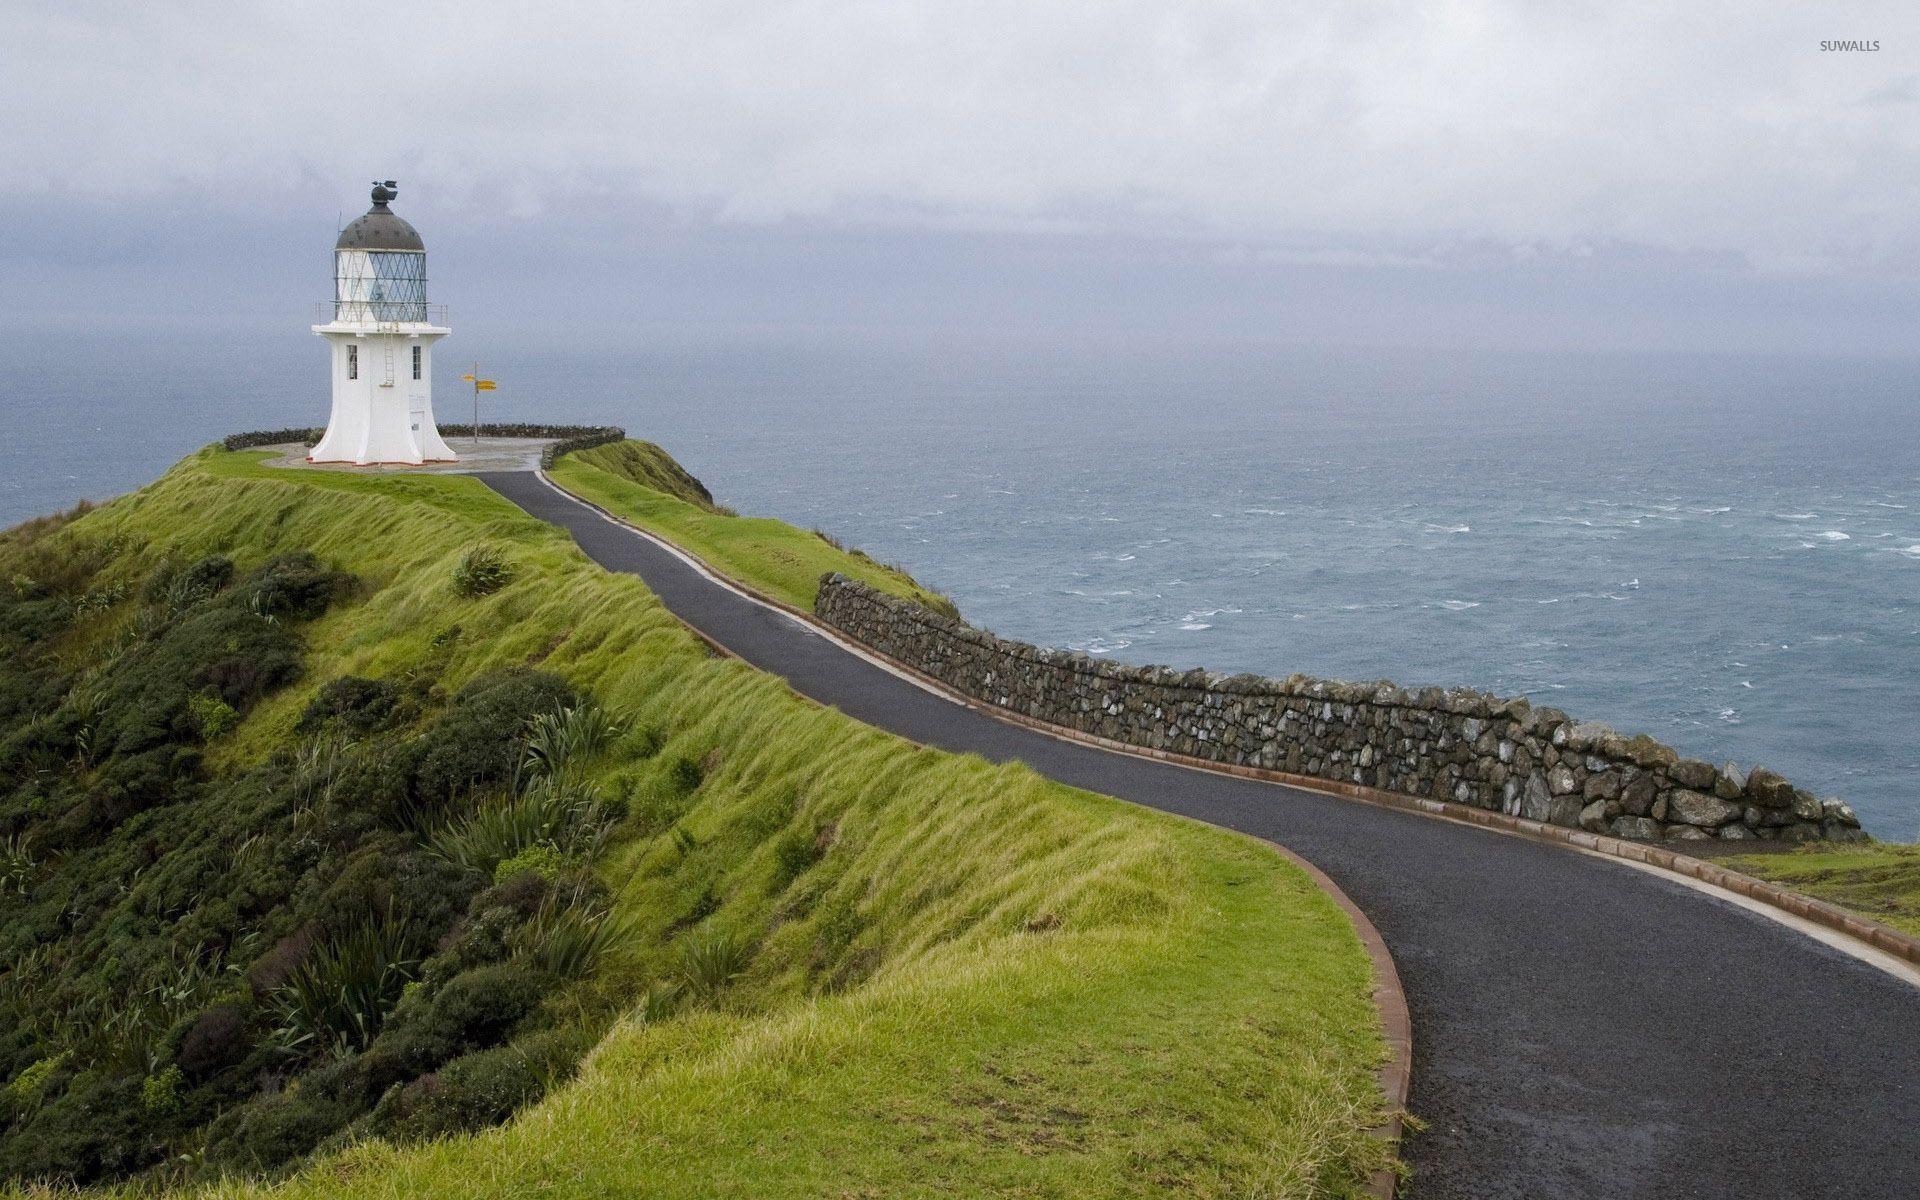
(377, 815)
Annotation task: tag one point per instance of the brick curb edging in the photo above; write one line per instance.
(1395, 1076)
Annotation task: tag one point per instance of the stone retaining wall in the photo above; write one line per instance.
(570, 437)
(1458, 745)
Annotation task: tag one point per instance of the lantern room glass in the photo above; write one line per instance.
(380, 285)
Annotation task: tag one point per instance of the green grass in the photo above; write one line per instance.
(650, 466)
(1880, 880)
(461, 495)
(776, 558)
(959, 978)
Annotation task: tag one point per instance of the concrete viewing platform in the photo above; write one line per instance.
(476, 455)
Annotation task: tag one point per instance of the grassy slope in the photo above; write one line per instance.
(1881, 880)
(772, 556)
(977, 982)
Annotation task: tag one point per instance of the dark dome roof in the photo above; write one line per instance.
(380, 229)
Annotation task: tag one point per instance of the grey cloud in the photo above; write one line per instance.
(1709, 128)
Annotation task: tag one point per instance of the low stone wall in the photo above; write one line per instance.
(571, 437)
(1457, 745)
(270, 437)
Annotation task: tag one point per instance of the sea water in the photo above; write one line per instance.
(1721, 551)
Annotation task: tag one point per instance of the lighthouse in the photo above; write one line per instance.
(380, 333)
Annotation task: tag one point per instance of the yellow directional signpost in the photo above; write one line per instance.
(479, 385)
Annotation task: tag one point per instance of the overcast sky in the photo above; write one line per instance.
(1593, 174)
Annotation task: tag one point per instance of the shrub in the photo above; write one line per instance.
(275, 1130)
(92, 1130)
(479, 1089)
(358, 706)
(523, 893)
(154, 589)
(294, 586)
(160, 1094)
(214, 716)
(481, 571)
(337, 998)
(217, 1039)
(549, 813)
(477, 1008)
(221, 651)
(541, 860)
(476, 741)
(376, 780)
(206, 577)
(277, 965)
(586, 439)
(30, 1087)
(567, 735)
(566, 940)
(710, 959)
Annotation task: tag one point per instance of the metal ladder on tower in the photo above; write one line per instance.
(389, 349)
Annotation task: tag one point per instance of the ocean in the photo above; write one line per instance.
(1721, 551)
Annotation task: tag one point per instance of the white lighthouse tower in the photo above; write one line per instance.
(381, 334)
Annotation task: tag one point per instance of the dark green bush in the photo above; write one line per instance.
(475, 743)
(479, 1089)
(358, 706)
(92, 1130)
(478, 1007)
(272, 1132)
(208, 576)
(219, 1037)
(221, 650)
(293, 587)
(375, 780)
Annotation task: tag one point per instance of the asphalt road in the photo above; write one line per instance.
(1581, 1028)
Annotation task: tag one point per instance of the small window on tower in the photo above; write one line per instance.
(416, 362)
(353, 362)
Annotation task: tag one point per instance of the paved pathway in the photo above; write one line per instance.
(1581, 1028)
